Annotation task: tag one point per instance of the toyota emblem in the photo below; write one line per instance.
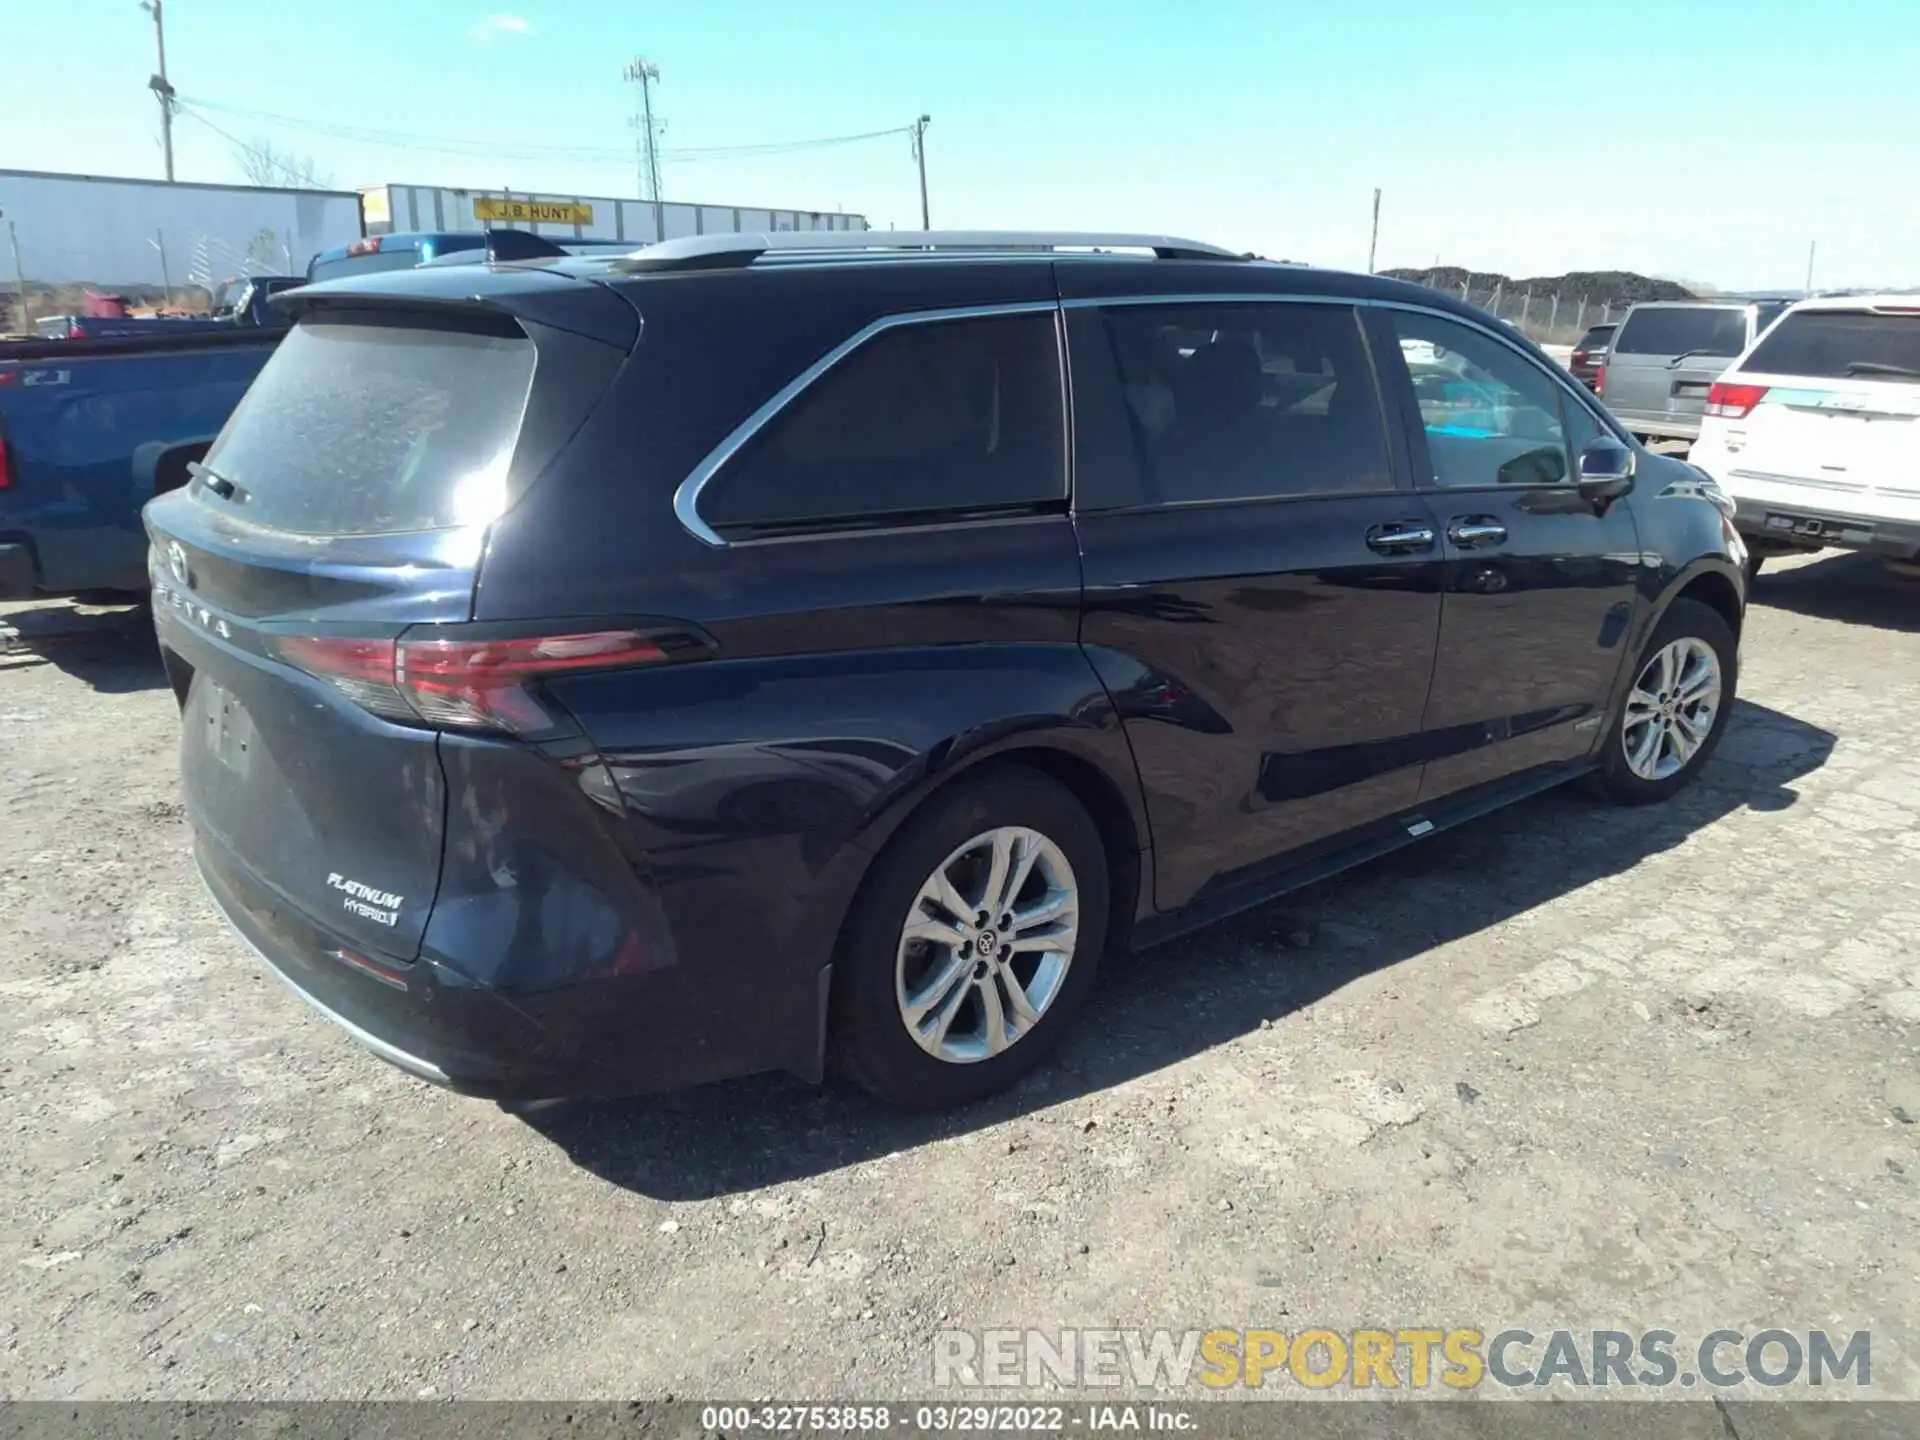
(177, 561)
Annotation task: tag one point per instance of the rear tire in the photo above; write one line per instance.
(969, 1037)
(1676, 709)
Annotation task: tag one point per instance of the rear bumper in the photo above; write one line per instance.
(16, 572)
(599, 1035)
(1798, 527)
(1660, 427)
(423, 1019)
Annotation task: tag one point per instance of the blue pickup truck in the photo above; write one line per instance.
(92, 429)
(242, 301)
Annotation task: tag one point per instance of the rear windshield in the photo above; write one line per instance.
(1683, 330)
(368, 430)
(1595, 338)
(1841, 344)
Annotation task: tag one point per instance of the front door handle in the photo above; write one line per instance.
(1400, 537)
(1475, 532)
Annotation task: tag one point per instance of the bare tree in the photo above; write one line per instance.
(263, 163)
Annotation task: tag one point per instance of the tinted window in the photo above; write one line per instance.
(934, 419)
(1232, 402)
(1766, 313)
(1841, 344)
(1683, 329)
(365, 430)
(1492, 416)
(1596, 338)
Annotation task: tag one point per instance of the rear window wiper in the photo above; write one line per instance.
(1875, 367)
(1689, 354)
(214, 481)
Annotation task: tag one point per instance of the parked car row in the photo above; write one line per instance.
(1815, 429)
(811, 650)
(1808, 414)
(1666, 354)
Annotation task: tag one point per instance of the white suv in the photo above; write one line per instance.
(1815, 430)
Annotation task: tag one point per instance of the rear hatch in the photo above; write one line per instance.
(339, 518)
(1825, 412)
(1664, 358)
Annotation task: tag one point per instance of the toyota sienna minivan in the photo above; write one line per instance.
(816, 651)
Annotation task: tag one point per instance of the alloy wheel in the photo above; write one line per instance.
(986, 944)
(1671, 708)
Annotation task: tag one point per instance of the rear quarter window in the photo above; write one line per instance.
(1841, 344)
(923, 421)
(1682, 330)
(363, 429)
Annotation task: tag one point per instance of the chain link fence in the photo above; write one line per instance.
(1548, 317)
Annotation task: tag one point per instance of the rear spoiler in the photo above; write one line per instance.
(485, 295)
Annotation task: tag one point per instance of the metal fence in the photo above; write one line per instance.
(1549, 317)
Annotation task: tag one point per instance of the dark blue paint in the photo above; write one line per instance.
(1247, 695)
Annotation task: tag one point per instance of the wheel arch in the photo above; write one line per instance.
(1121, 821)
(1713, 588)
(161, 465)
(1112, 800)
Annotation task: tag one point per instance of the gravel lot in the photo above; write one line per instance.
(1567, 1067)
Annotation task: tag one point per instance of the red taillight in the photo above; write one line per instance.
(6, 467)
(1600, 381)
(462, 684)
(481, 683)
(1733, 402)
(76, 331)
(368, 246)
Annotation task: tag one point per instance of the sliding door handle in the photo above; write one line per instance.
(1400, 537)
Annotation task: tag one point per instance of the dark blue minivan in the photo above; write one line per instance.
(816, 651)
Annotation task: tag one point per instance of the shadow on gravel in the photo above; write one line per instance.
(1182, 999)
(1851, 588)
(111, 649)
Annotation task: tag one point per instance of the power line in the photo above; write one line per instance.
(458, 145)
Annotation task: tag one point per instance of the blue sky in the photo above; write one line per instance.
(1693, 138)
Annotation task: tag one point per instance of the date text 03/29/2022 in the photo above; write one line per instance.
(941, 1419)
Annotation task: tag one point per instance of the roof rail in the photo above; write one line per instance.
(717, 252)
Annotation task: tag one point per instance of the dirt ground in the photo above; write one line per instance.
(1567, 1067)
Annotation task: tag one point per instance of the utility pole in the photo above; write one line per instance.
(645, 74)
(920, 155)
(162, 89)
(19, 278)
(1811, 244)
(1374, 244)
(159, 242)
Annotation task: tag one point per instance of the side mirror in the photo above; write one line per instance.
(1606, 472)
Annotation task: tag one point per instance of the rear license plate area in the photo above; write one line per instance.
(226, 727)
(1853, 532)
